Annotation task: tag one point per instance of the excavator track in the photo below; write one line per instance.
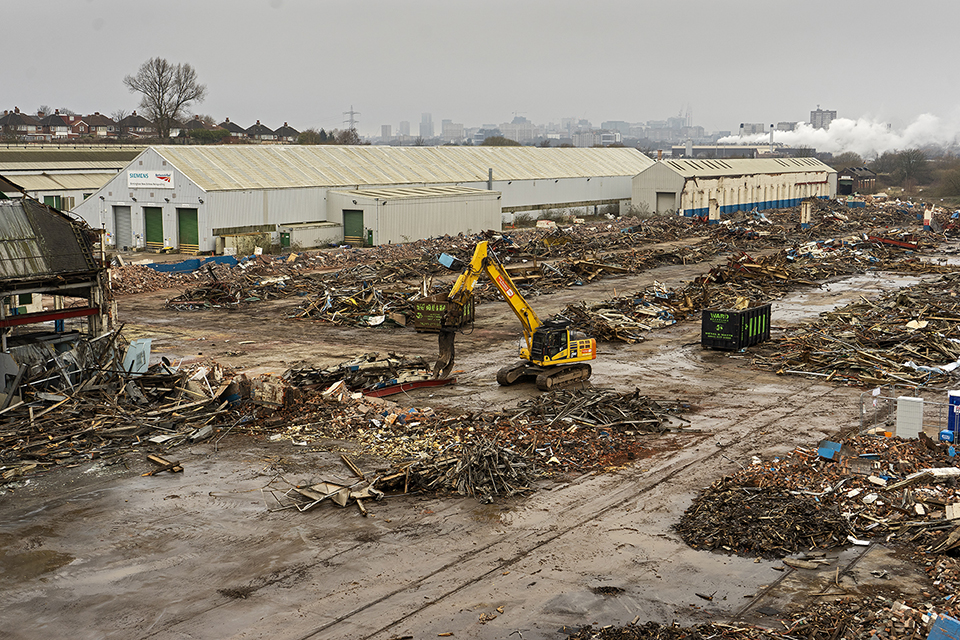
(512, 373)
(563, 376)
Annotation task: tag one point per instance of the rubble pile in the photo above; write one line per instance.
(868, 488)
(861, 618)
(761, 521)
(909, 336)
(137, 278)
(558, 432)
(733, 285)
(479, 469)
(367, 372)
(101, 412)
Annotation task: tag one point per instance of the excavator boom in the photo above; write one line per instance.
(554, 354)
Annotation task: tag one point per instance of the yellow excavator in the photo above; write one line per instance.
(555, 355)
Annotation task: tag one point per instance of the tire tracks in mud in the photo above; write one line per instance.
(750, 438)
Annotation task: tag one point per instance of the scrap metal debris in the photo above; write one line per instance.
(91, 407)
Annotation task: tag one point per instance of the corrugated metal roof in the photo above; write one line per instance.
(36, 242)
(55, 158)
(63, 181)
(417, 192)
(227, 168)
(709, 168)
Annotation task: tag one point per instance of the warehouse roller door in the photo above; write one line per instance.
(666, 201)
(153, 225)
(122, 228)
(188, 231)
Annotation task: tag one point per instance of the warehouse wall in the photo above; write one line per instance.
(255, 208)
(215, 210)
(758, 191)
(733, 193)
(659, 178)
(407, 219)
(184, 193)
(520, 195)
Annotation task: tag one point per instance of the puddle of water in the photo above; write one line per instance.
(26, 565)
(810, 303)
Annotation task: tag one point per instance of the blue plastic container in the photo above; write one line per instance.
(947, 436)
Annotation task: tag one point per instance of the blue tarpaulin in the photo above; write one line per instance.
(188, 266)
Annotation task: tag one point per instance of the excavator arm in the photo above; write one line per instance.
(483, 261)
(554, 354)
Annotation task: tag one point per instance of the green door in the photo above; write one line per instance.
(153, 225)
(353, 227)
(188, 230)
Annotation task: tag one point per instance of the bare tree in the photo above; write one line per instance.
(43, 111)
(166, 91)
(347, 136)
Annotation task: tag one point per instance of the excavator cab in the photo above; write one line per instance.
(549, 341)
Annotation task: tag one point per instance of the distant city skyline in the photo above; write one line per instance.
(309, 62)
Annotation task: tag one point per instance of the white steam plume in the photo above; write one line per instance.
(868, 138)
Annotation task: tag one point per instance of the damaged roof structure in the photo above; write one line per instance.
(688, 187)
(43, 253)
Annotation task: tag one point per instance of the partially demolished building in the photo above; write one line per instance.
(49, 276)
(692, 187)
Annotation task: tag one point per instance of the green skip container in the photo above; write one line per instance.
(732, 330)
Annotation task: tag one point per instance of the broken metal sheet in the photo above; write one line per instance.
(137, 358)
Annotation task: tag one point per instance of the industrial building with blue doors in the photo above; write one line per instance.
(688, 187)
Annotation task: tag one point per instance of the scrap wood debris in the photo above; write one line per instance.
(368, 372)
(848, 618)
(870, 488)
(84, 404)
(578, 253)
(598, 408)
(556, 433)
(909, 336)
(764, 521)
(731, 286)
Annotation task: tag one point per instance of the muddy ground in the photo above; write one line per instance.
(97, 551)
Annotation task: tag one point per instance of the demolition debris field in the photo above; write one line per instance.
(311, 511)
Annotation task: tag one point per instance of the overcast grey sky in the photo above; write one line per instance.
(308, 61)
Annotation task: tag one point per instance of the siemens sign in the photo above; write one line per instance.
(149, 179)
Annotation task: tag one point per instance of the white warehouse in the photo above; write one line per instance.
(689, 186)
(186, 197)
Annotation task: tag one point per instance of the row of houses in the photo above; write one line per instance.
(62, 126)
